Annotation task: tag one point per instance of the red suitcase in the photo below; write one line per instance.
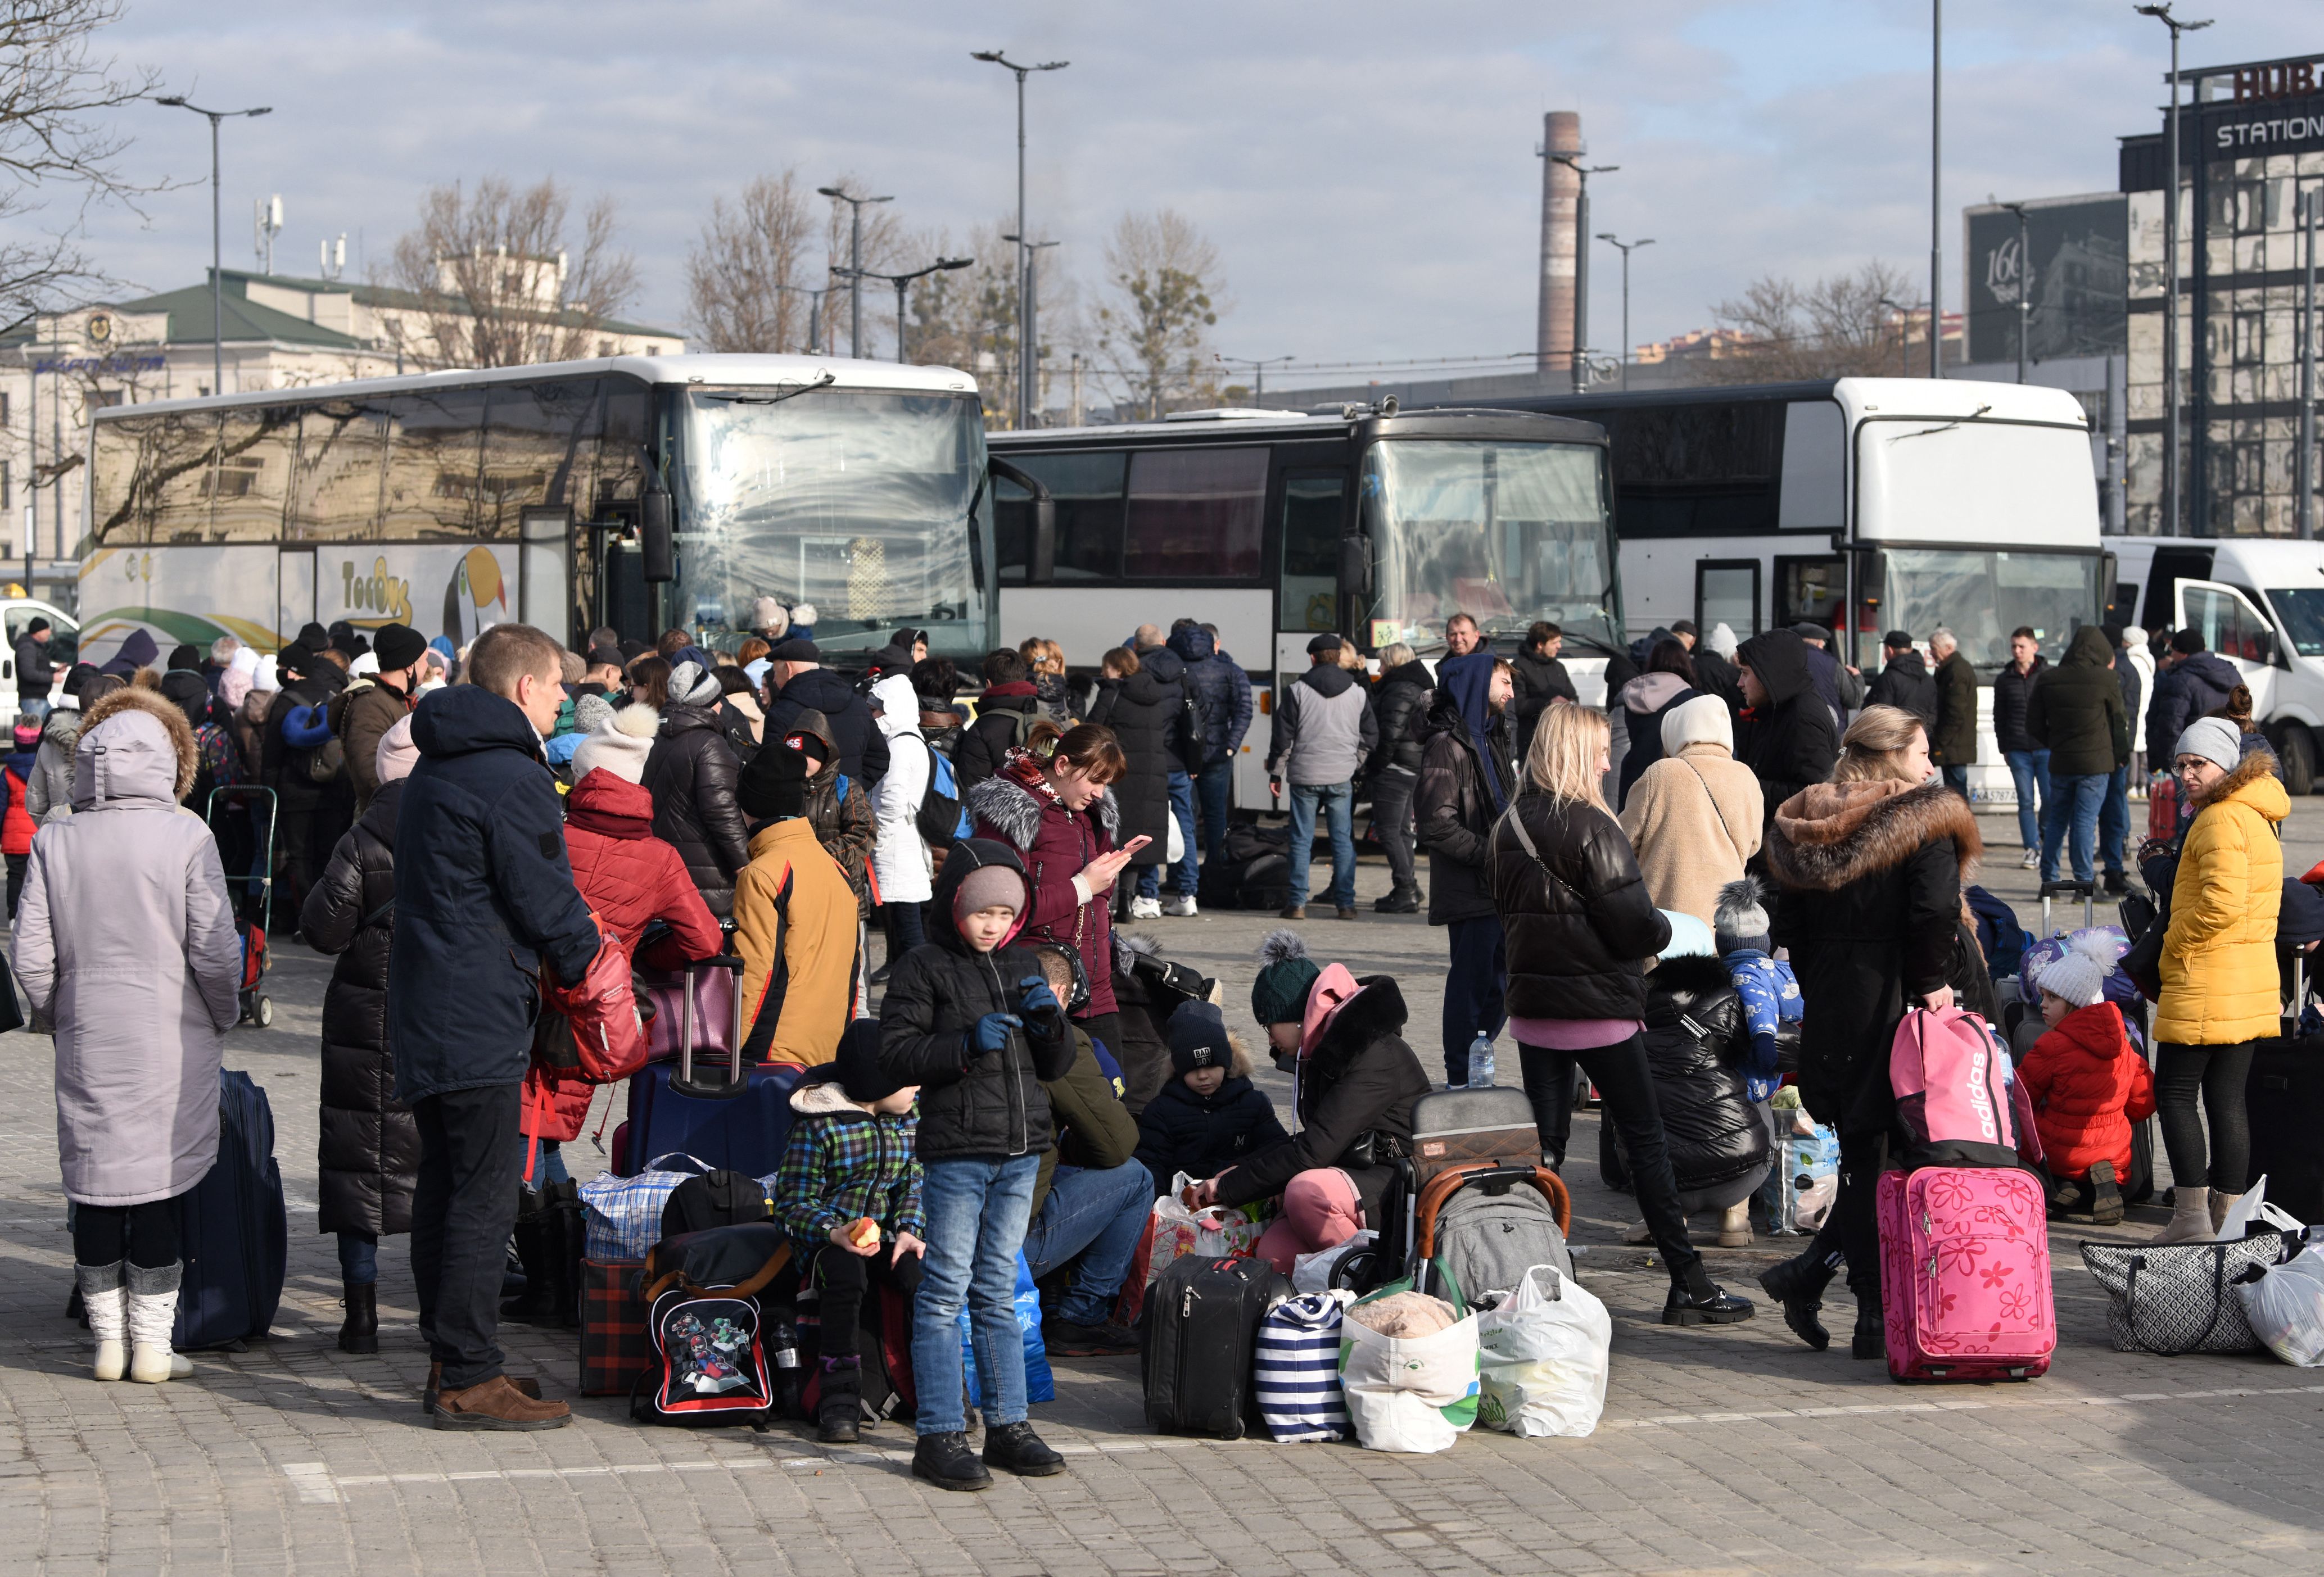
(1965, 1274)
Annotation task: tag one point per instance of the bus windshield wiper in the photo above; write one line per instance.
(825, 382)
(1941, 427)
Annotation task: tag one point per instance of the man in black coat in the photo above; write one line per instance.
(798, 682)
(36, 676)
(482, 886)
(1467, 778)
(2029, 762)
(1788, 737)
(1222, 702)
(1953, 746)
(1541, 680)
(1841, 687)
(1008, 707)
(1903, 681)
(1401, 704)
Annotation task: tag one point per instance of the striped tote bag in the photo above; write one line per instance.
(1297, 1369)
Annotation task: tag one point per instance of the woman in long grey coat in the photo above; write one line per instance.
(127, 947)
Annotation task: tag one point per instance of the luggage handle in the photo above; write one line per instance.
(1450, 1181)
(685, 1083)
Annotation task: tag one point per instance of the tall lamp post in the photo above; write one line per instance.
(1903, 324)
(1582, 261)
(2310, 212)
(1625, 248)
(2162, 14)
(1024, 325)
(1030, 326)
(2024, 286)
(900, 281)
(814, 313)
(218, 287)
(855, 269)
(1258, 372)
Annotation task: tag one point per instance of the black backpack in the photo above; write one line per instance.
(715, 1199)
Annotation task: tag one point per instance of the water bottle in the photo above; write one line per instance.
(785, 1346)
(1481, 1062)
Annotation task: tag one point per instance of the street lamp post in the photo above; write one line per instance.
(1582, 262)
(218, 287)
(853, 271)
(1625, 248)
(1258, 372)
(1903, 323)
(1025, 327)
(2162, 14)
(814, 313)
(2313, 204)
(1936, 188)
(900, 281)
(2024, 286)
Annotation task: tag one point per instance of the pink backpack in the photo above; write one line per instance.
(1952, 1089)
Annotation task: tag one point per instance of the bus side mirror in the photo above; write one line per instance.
(657, 544)
(1355, 565)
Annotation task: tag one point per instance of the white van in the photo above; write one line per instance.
(2259, 603)
(16, 614)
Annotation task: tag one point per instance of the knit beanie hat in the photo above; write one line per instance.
(591, 713)
(1285, 973)
(620, 741)
(989, 886)
(2079, 975)
(2187, 641)
(691, 684)
(397, 755)
(185, 655)
(1740, 920)
(858, 1064)
(398, 646)
(2215, 739)
(1721, 640)
(774, 784)
(1198, 1039)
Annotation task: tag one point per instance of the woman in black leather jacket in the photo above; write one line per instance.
(1580, 928)
(691, 775)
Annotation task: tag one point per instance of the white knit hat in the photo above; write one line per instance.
(1704, 720)
(620, 745)
(2079, 975)
(1721, 640)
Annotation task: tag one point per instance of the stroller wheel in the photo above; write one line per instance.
(263, 1013)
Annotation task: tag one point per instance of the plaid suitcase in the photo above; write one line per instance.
(616, 1348)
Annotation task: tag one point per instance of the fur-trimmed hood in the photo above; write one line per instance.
(1829, 834)
(827, 1098)
(1688, 974)
(1015, 810)
(160, 708)
(2254, 782)
(1376, 1011)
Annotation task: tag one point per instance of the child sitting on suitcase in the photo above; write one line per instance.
(849, 1193)
(1209, 1115)
(2088, 1083)
(969, 1019)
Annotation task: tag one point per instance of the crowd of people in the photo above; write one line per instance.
(1741, 871)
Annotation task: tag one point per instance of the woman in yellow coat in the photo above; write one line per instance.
(2219, 983)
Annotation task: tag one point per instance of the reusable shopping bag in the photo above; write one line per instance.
(1408, 1394)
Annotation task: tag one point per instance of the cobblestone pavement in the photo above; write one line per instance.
(1722, 1450)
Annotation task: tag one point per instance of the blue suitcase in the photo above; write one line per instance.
(234, 1228)
(733, 1116)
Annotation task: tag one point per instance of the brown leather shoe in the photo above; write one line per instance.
(528, 1386)
(497, 1404)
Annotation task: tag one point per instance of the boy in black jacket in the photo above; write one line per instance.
(969, 1019)
(1209, 1115)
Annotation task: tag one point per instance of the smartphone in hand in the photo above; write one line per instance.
(1136, 844)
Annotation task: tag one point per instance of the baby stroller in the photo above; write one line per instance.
(257, 1007)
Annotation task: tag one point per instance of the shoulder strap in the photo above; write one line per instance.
(1713, 796)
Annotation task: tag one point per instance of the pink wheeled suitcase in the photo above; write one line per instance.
(1965, 1274)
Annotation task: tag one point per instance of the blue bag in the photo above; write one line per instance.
(1040, 1385)
(234, 1228)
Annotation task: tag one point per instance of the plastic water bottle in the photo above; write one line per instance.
(1481, 1062)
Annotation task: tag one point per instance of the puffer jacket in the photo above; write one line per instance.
(845, 824)
(862, 748)
(1903, 682)
(1695, 1049)
(1221, 691)
(1648, 699)
(1017, 808)
(972, 1103)
(2013, 694)
(1541, 683)
(47, 788)
(2088, 1087)
(1576, 912)
(691, 776)
(899, 856)
(2076, 713)
(2220, 980)
(1453, 809)
(368, 1160)
(1204, 1135)
(1399, 702)
(1789, 740)
(1362, 1079)
(1871, 877)
(1146, 711)
(2191, 688)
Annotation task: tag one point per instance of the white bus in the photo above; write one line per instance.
(635, 492)
(1913, 503)
(1275, 526)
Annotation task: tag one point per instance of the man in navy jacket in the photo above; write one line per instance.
(484, 897)
(1221, 696)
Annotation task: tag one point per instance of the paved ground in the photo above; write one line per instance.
(1722, 1450)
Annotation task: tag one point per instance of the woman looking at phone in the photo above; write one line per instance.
(1053, 803)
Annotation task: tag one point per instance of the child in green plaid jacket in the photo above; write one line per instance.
(848, 1191)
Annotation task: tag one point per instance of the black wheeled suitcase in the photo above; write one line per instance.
(233, 1229)
(1200, 1334)
(2283, 1100)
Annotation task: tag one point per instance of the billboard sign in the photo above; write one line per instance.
(2077, 274)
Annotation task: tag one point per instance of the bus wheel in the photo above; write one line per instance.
(2298, 756)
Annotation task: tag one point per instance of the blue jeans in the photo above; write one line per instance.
(977, 1208)
(1186, 875)
(2073, 801)
(1957, 779)
(1338, 803)
(1149, 881)
(1475, 987)
(358, 1259)
(2030, 770)
(1213, 787)
(2113, 821)
(1098, 1216)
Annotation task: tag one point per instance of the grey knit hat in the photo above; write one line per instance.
(692, 685)
(1740, 920)
(2215, 739)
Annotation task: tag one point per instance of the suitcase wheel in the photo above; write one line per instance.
(263, 1012)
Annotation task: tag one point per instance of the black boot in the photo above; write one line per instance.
(1871, 1338)
(1014, 1448)
(946, 1462)
(533, 1237)
(2106, 1195)
(839, 1406)
(1798, 1284)
(1402, 899)
(360, 1331)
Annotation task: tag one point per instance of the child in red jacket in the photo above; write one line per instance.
(2089, 1086)
(17, 826)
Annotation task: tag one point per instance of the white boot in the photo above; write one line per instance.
(152, 1316)
(1735, 1226)
(2220, 1204)
(2191, 1217)
(106, 1301)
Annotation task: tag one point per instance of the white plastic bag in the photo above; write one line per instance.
(1313, 1272)
(2253, 1207)
(2286, 1306)
(1417, 1394)
(1543, 1359)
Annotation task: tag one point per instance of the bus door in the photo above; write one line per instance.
(294, 597)
(1307, 605)
(617, 596)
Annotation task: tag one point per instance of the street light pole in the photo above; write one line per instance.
(1582, 262)
(855, 269)
(1936, 190)
(2171, 450)
(1903, 321)
(1258, 371)
(2315, 202)
(217, 220)
(814, 313)
(2024, 286)
(1025, 328)
(1625, 248)
(900, 281)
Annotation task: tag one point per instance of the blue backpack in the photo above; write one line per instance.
(941, 820)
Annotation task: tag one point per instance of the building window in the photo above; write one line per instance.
(7, 494)
(4, 411)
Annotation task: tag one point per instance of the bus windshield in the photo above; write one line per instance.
(857, 503)
(1509, 532)
(1983, 594)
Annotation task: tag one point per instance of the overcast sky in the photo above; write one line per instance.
(1366, 169)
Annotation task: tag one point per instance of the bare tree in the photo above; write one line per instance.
(969, 319)
(884, 246)
(742, 278)
(498, 278)
(1163, 271)
(52, 90)
(1831, 328)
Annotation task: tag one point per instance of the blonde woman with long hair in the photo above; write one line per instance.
(1581, 929)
